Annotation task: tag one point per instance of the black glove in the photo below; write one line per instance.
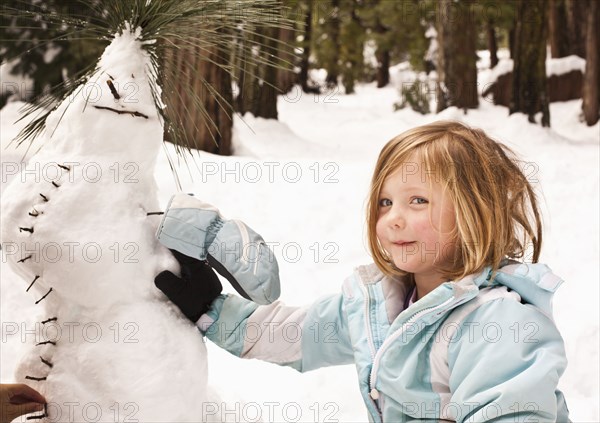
(195, 290)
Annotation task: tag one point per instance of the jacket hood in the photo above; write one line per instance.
(535, 283)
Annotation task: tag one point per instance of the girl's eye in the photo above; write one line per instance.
(418, 200)
(385, 202)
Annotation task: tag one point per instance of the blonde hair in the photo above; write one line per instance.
(497, 215)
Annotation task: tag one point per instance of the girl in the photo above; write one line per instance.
(445, 324)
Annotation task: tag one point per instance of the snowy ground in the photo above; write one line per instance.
(302, 183)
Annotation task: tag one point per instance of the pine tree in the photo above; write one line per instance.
(492, 43)
(352, 46)
(265, 60)
(306, 45)
(558, 30)
(329, 41)
(529, 74)
(457, 56)
(45, 53)
(371, 14)
(577, 26)
(591, 95)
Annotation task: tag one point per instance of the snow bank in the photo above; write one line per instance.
(558, 66)
(563, 65)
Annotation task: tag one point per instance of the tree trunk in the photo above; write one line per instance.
(383, 57)
(218, 139)
(258, 83)
(492, 45)
(246, 92)
(334, 33)
(351, 50)
(529, 73)
(265, 82)
(286, 78)
(577, 26)
(460, 57)
(592, 74)
(383, 67)
(558, 30)
(511, 42)
(211, 131)
(440, 92)
(304, 64)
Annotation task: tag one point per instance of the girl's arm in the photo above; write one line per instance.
(505, 365)
(304, 338)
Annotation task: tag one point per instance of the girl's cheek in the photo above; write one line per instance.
(379, 230)
(423, 226)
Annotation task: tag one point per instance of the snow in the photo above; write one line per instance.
(558, 66)
(369, 58)
(302, 183)
(431, 32)
(562, 65)
(504, 66)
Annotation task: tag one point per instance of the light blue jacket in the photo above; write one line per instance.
(481, 349)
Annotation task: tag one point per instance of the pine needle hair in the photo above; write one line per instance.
(207, 30)
(496, 208)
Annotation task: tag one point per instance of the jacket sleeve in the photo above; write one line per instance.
(505, 363)
(304, 338)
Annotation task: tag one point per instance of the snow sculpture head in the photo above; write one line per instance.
(122, 84)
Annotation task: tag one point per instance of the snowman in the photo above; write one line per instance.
(79, 227)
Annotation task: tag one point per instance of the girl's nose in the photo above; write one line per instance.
(396, 219)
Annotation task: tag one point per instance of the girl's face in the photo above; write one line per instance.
(416, 219)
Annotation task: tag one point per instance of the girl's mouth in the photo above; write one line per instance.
(403, 243)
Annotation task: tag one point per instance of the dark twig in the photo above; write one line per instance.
(55, 184)
(44, 197)
(154, 213)
(24, 259)
(122, 112)
(52, 319)
(26, 229)
(67, 168)
(35, 378)
(113, 90)
(37, 302)
(34, 213)
(46, 362)
(35, 279)
(45, 342)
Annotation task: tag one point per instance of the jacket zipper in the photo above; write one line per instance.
(393, 337)
(368, 320)
(370, 339)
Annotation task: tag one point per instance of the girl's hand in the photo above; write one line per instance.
(17, 400)
(195, 290)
